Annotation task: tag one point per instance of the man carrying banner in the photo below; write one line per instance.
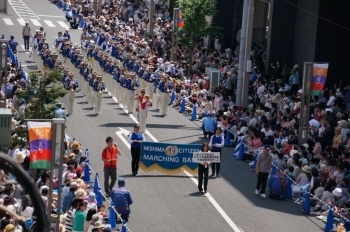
(110, 162)
(135, 139)
(216, 143)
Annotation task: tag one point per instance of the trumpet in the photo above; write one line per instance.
(71, 85)
(99, 87)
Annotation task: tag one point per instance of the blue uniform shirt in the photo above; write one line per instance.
(121, 199)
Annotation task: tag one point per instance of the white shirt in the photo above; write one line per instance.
(24, 150)
(217, 144)
(267, 133)
(261, 90)
(131, 141)
(331, 101)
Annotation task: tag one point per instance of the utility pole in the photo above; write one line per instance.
(99, 7)
(95, 6)
(247, 61)
(151, 13)
(173, 34)
(242, 45)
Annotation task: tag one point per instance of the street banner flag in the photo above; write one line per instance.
(40, 139)
(319, 78)
(168, 158)
(180, 21)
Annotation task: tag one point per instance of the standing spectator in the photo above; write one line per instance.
(110, 162)
(26, 33)
(13, 44)
(262, 169)
(79, 217)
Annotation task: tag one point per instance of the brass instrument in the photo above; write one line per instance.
(71, 85)
(99, 87)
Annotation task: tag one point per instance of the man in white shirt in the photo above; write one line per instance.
(261, 89)
(331, 99)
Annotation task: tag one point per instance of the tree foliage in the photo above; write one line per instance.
(41, 96)
(194, 14)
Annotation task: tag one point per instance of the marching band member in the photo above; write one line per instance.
(115, 76)
(99, 86)
(66, 34)
(157, 90)
(216, 143)
(165, 88)
(70, 84)
(57, 41)
(100, 39)
(135, 140)
(64, 78)
(131, 87)
(150, 82)
(143, 104)
(92, 81)
(140, 74)
(123, 89)
(86, 86)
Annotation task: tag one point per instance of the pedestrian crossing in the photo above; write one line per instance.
(36, 23)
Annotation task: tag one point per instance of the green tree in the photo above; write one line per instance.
(41, 96)
(194, 13)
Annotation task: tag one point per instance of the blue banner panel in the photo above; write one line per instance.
(168, 158)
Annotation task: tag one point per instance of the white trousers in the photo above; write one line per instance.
(130, 99)
(98, 98)
(142, 120)
(92, 96)
(124, 101)
(150, 89)
(164, 99)
(70, 101)
(158, 99)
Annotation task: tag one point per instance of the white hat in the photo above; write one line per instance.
(20, 156)
(293, 152)
(338, 192)
(306, 146)
(206, 77)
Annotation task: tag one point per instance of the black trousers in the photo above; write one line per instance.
(215, 167)
(135, 155)
(109, 173)
(203, 173)
(262, 181)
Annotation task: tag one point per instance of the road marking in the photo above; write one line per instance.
(14, 9)
(22, 46)
(62, 24)
(52, 16)
(22, 22)
(35, 22)
(22, 3)
(49, 23)
(233, 226)
(120, 134)
(8, 21)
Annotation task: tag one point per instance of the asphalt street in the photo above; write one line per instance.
(164, 203)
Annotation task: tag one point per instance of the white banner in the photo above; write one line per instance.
(200, 157)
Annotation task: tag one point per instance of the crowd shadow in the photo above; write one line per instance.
(154, 126)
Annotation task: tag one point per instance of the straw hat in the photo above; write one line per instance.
(99, 224)
(75, 145)
(81, 193)
(306, 169)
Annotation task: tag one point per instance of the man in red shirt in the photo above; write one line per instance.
(110, 162)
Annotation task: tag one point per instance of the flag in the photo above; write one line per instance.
(40, 139)
(319, 78)
(180, 22)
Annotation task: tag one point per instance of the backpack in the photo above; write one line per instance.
(278, 186)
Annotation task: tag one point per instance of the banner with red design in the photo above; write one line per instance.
(40, 139)
(319, 77)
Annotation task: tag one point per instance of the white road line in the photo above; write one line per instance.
(49, 23)
(22, 46)
(233, 226)
(21, 21)
(62, 24)
(52, 16)
(8, 21)
(14, 9)
(22, 3)
(35, 22)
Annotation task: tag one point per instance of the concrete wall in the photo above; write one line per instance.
(259, 19)
(281, 31)
(305, 32)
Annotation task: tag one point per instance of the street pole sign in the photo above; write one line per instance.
(3, 59)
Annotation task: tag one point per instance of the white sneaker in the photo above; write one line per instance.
(256, 192)
(251, 163)
(321, 217)
(263, 195)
